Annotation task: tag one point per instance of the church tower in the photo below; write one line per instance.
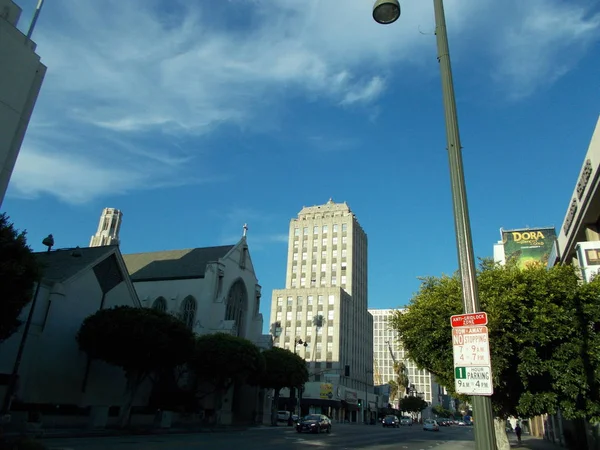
(108, 228)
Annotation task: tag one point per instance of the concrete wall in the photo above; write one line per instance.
(53, 369)
(20, 82)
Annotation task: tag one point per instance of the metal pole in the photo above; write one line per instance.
(485, 438)
(36, 14)
(10, 389)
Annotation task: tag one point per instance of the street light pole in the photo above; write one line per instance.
(389, 11)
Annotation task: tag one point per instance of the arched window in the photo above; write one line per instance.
(160, 304)
(237, 305)
(188, 311)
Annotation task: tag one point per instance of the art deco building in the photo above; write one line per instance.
(324, 302)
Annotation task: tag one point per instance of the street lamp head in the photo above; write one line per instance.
(386, 11)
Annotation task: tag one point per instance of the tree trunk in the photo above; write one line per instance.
(133, 385)
(275, 407)
(501, 437)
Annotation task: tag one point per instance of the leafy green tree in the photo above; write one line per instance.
(412, 404)
(283, 369)
(222, 360)
(19, 270)
(441, 411)
(543, 327)
(141, 341)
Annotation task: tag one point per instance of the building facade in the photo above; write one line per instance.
(324, 304)
(582, 218)
(387, 348)
(212, 289)
(108, 228)
(19, 88)
(54, 375)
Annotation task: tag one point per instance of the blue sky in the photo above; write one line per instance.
(196, 117)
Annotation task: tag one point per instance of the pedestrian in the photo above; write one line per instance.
(518, 432)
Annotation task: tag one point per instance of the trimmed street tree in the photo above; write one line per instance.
(284, 369)
(543, 329)
(19, 270)
(412, 404)
(221, 360)
(142, 341)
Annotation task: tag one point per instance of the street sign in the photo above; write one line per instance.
(472, 364)
(473, 380)
(471, 346)
(468, 320)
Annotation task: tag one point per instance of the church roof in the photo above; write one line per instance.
(62, 264)
(173, 264)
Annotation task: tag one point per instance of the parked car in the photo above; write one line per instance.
(390, 422)
(283, 416)
(406, 421)
(314, 423)
(430, 425)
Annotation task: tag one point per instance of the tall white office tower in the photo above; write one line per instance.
(324, 302)
(108, 228)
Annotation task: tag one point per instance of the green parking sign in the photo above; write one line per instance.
(460, 373)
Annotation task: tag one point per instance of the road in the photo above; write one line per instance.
(343, 437)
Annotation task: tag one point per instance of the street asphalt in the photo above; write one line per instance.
(344, 437)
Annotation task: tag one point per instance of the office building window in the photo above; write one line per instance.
(290, 301)
(323, 267)
(299, 315)
(329, 331)
(334, 240)
(295, 257)
(304, 256)
(324, 228)
(330, 314)
(333, 281)
(315, 230)
(320, 300)
(331, 299)
(279, 301)
(296, 231)
(335, 227)
(302, 282)
(309, 299)
(344, 227)
(288, 315)
(279, 316)
(309, 315)
(344, 239)
(343, 279)
(305, 230)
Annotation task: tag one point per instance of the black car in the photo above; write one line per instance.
(390, 421)
(314, 423)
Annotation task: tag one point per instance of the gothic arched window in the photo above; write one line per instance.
(188, 311)
(237, 305)
(160, 304)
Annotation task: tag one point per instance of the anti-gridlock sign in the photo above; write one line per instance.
(471, 348)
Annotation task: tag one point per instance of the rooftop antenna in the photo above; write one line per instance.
(36, 14)
(245, 230)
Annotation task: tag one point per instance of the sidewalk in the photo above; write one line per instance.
(533, 443)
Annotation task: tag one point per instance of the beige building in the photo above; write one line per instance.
(324, 303)
(386, 348)
(21, 76)
(108, 228)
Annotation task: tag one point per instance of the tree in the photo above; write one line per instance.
(283, 369)
(441, 411)
(221, 360)
(401, 377)
(412, 404)
(393, 390)
(141, 341)
(19, 270)
(543, 328)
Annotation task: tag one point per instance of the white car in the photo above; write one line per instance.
(430, 425)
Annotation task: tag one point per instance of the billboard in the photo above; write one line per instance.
(326, 391)
(528, 247)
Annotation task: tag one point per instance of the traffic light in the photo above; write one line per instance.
(347, 370)
(359, 402)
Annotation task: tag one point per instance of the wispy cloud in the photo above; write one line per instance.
(126, 75)
(544, 41)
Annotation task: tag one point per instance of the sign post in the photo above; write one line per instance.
(471, 349)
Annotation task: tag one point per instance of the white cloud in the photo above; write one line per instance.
(120, 71)
(543, 41)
